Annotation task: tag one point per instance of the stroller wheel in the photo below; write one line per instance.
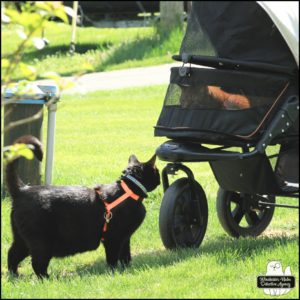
(183, 221)
(240, 215)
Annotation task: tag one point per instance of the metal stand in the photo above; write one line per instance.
(50, 142)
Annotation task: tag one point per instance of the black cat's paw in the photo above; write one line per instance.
(125, 266)
(42, 276)
(13, 275)
(125, 263)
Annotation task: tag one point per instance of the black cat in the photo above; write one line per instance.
(57, 221)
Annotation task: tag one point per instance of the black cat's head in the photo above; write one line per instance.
(146, 173)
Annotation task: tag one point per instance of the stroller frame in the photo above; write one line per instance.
(184, 210)
(177, 152)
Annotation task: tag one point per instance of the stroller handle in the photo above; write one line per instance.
(230, 64)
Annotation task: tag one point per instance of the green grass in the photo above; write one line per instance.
(95, 135)
(104, 49)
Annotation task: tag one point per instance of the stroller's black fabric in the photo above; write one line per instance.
(287, 166)
(252, 175)
(221, 105)
(228, 104)
(251, 75)
(238, 30)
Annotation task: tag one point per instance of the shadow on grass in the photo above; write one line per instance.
(62, 50)
(111, 54)
(29, 56)
(226, 249)
(229, 250)
(141, 48)
(135, 50)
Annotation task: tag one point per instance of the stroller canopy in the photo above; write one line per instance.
(243, 31)
(252, 51)
(285, 16)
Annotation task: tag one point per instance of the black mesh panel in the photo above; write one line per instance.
(196, 41)
(211, 89)
(231, 103)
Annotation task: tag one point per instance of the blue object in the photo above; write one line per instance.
(29, 101)
(41, 94)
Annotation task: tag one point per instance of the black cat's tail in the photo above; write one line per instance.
(13, 181)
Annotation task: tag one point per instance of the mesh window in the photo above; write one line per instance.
(196, 41)
(237, 30)
(219, 92)
(213, 97)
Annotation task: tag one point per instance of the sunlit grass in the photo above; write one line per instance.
(95, 134)
(101, 48)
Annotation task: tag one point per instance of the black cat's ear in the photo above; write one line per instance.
(151, 161)
(133, 160)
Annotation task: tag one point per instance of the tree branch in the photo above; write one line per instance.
(24, 121)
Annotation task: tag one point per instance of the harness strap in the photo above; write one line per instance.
(109, 206)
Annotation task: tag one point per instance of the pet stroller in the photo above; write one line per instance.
(235, 96)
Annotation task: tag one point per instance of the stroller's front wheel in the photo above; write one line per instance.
(240, 215)
(183, 215)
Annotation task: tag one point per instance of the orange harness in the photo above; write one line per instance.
(109, 206)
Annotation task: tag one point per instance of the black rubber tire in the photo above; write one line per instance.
(256, 221)
(177, 229)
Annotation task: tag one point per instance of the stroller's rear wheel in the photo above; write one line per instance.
(240, 215)
(183, 215)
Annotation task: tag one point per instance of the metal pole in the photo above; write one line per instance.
(74, 19)
(50, 142)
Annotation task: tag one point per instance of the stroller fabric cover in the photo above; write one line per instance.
(249, 72)
(234, 103)
(285, 15)
(239, 30)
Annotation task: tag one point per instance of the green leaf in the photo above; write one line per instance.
(30, 21)
(60, 13)
(26, 152)
(4, 63)
(28, 71)
(4, 17)
(53, 8)
(12, 14)
(12, 152)
(22, 34)
(43, 5)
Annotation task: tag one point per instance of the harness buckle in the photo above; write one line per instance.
(108, 216)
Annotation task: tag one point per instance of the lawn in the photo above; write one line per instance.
(102, 48)
(95, 135)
